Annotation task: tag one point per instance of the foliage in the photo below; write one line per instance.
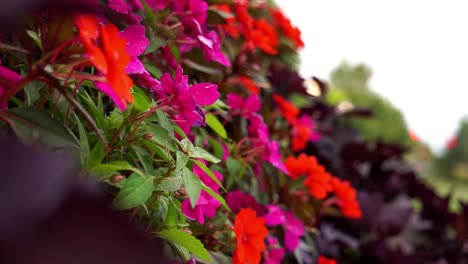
(350, 83)
(182, 111)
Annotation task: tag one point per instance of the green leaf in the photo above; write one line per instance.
(33, 125)
(140, 102)
(209, 172)
(135, 191)
(155, 43)
(161, 136)
(172, 213)
(84, 143)
(103, 171)
(96, 111)
(181, 160)
(97, 154)
(116, 118)
(180, 132)
(145, 159)
(203, 154)
(149, 13)
(155, 71)
(36, 38)
(192, 185)
(201, 68)
(159, 150)
(234, 167)
(218, 197)
(187, 241)
(164, 122)
(186, 146)
(169, 184)
(213, 122)
(31, 91)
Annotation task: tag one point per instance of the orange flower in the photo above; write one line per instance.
(346, 198)
(318, 180)
(292, 32)
(300, 166)
(249, 84)
(289, 110)
(318, 183)
(325, 260)
(107, 52)
(250, 232)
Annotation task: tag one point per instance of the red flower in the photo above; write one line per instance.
(317, 180)
(249, 84)
(289, 110)
(292, 32)
(107, 52)
(325, 260)
(301, 135)
(230, 27)
(318, 184)
(346, 198)
(250, 232)
(264, 37)
(452, 143)
(300, 166)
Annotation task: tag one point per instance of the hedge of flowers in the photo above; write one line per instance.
(193, 117)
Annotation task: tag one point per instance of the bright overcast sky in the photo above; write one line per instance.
(417, 49)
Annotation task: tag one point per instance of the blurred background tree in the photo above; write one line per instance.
(449, 173)
(351, 83)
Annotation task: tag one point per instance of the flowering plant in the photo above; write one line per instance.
(183, 110)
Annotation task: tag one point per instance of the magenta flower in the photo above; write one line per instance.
(191, 9)
(238, 200)
(186, 100)
(8, 79)
(293, 227)
(121, 7)
(208, 41)
(247, 108)
(275, 253)
(136, 45)
(257, 128)
(206, 205)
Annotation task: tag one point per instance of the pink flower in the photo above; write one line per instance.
(186, 100)
(257, 128)
(8, 79)
(206, 205)
(136, 45)
(191, 9)
(293, 227)
(275, 253)
(247, 108)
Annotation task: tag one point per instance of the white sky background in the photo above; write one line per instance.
(417, 50)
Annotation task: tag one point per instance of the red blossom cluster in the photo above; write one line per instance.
(284, 23)
(302, 127)
(320, 183)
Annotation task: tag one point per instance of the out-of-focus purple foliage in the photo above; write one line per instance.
(391, 229)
